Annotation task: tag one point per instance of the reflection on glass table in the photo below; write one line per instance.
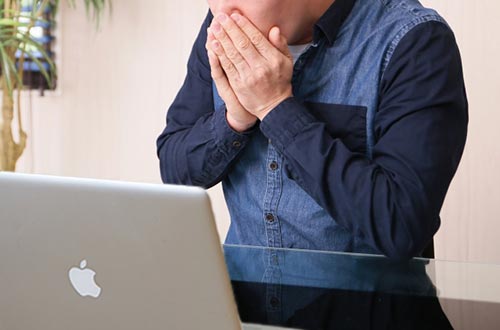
(325, 290)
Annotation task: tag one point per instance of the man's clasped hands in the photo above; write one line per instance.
(252, 72)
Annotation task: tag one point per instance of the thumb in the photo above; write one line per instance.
(279, 41)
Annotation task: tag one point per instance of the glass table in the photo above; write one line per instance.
(303, 289)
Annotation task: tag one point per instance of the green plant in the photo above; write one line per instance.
(15, 37)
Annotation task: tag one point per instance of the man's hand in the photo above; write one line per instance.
(237, 117)
(259, 71)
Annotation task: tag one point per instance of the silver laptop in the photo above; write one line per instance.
(89, 254)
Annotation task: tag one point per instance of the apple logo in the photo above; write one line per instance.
(83, 281)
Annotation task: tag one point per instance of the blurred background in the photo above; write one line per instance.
(115, 85)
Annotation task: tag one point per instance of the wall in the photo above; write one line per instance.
(116, 85)
(114, 89)
(471, 214)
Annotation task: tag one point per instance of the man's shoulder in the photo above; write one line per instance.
(401, 11)
(384, 23)
(396, 14)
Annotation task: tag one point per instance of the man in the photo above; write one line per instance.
(346, 141)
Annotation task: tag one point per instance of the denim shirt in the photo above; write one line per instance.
(358, 160)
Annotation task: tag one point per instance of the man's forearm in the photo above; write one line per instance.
(200, 155)
(197, 147)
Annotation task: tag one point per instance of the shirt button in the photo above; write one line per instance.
(275, 302)
(236, 144)
(273, 166)
(270, 217)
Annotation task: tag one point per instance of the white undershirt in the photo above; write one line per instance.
(297, 50)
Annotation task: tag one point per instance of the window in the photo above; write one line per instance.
(41, 32)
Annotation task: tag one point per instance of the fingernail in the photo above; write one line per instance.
(216, 27)
(236, 17)
(221, 17)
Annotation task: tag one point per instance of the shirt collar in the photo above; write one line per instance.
(330, 23)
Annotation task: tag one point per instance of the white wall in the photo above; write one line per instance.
(117, 84)
(471, 214)
(114, 89)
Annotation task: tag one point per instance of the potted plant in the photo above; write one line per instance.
(17, 19)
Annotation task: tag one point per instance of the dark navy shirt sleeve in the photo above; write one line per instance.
(393, 199)
(197, 146)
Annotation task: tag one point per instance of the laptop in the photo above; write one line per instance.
(92, 254)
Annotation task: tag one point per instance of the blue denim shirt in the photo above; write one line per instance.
(359, 160)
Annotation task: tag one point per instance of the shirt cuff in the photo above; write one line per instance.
(228, 140)
(285, 122)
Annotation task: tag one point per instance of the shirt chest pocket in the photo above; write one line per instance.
(345, 122)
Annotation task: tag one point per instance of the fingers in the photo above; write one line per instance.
(230, 50)
(239, 39)
(237, 117)
(216, 69)
(218, 75)
(210, 38)
(259, 41)
(221, 82)
(216, 49)
(279, 41)
(249, 71)
(227, 65)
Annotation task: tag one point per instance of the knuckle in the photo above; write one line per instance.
(256, 38)
(229, 68)
(275, 65)
(260, 74)
(238, 60)
(244, 44)
(232, 54)
(252, 81)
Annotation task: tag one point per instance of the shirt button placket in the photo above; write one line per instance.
(271, 199)
(273, 231)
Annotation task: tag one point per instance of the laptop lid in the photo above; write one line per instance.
(91, 254)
